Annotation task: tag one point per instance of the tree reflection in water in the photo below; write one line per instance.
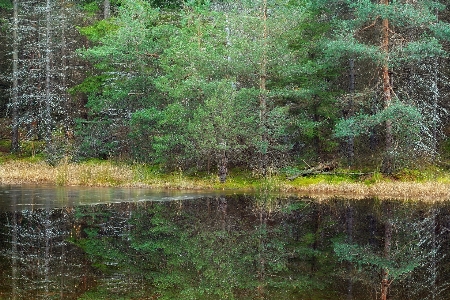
(228, 247)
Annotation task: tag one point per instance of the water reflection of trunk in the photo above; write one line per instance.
(261, 271)
(387, 251)
(433, 255)
(223, 211)
(14, 252)
(349, 227)
(62, 271)
(317, 217)
(47, 236)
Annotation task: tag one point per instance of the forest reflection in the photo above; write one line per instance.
(228, 247)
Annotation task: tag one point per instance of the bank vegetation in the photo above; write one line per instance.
(429, 184)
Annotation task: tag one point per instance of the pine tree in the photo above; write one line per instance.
(379, 34)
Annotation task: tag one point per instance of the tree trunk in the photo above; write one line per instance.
(435, 90)
(48, 98)
(222, 167)
(387, 93)
(106, 9)
(263, 91)
(15, 83)
(349, 111)
(435, 117)
(66, 100)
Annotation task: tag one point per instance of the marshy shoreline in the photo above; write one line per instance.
(111, 174)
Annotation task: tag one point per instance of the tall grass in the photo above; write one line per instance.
(107, 173)
(88, 174)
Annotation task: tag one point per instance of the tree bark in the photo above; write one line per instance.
(67, 105)
(48, 98)
(349, 111)
(435, 89)
(222, 167)
(387, 93)
(15, 83)
(106, 9)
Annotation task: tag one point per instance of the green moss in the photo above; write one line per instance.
(308, 180)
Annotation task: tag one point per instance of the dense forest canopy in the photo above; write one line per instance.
(207, 85)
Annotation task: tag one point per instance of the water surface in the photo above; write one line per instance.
(106, 243)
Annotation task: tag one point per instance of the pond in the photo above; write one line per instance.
(110, 243)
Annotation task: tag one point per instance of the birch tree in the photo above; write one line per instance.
(42, 69)
(15, 79)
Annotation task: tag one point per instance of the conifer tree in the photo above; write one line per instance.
(378, 33)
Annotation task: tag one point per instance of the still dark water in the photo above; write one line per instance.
(88, 243)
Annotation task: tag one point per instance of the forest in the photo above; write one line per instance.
(210, 85)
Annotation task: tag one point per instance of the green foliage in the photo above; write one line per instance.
(441, 30)
(427, 47)
(159, 135)
(91, 84)
(186, 77)
(170, 4)
(99, 138)
(6, 4)
(99, 30)
(355, 35)
(220, 126)
(93, 7)
(406, 124)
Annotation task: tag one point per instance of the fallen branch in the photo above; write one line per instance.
(324, 169)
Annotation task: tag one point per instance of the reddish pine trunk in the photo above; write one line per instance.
(387, 91)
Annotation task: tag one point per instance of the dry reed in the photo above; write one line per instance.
(110, 174)
(433, 191)
(105, 174)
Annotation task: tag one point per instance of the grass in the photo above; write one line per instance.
(431, 183)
